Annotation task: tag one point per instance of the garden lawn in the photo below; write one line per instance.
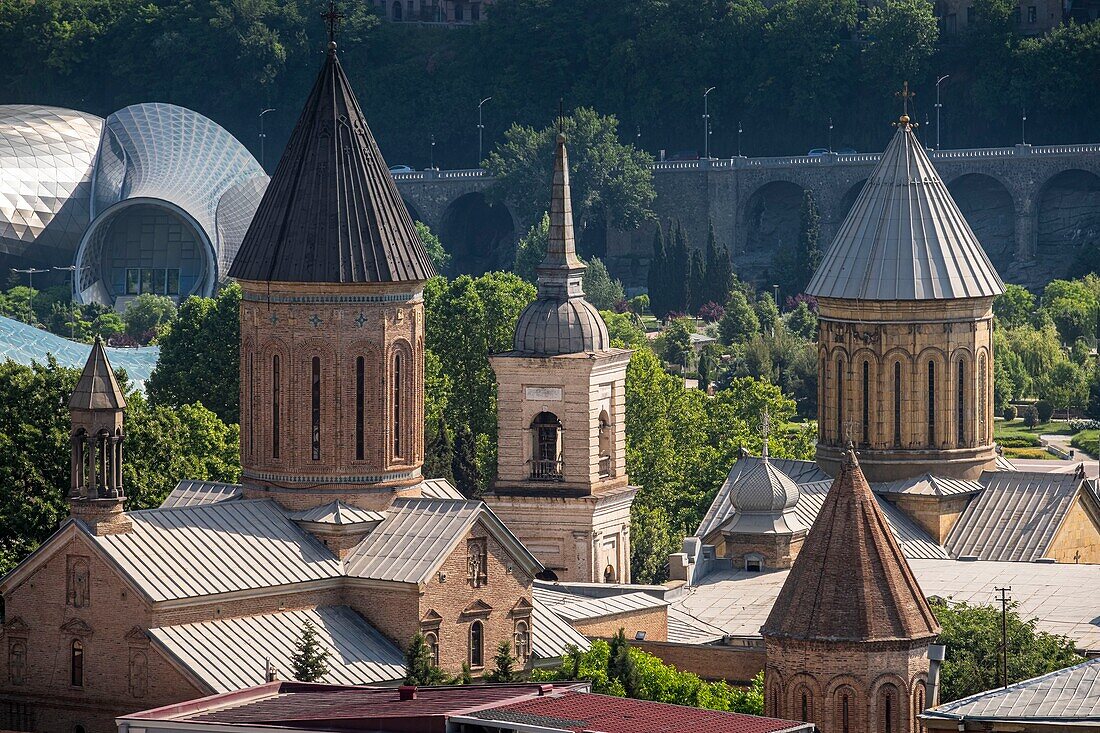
(1016, 428)
(1085, 441)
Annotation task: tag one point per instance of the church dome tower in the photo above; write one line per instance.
(332, 318)
(905, 342)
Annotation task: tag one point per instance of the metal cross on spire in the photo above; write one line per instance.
(332, 18)
(765, 431)
(905, 96)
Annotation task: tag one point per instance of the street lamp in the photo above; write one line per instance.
(775, 295)
(71, 269)
(432, 159)
(830, 146)
(939, 106)
(1023, 125)
(739, 138)
(480, 129)
(30, 272)
(706, 124)
(263, 136)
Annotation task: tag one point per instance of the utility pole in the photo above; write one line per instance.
(706, 124)
(480, 129)
(263, 136)
(938, 107)
(71, 269)
(1004, 599)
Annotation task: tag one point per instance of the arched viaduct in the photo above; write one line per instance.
(1031, 207)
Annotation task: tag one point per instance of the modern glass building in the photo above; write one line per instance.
(154, 199)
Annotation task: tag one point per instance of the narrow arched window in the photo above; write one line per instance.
(251, 405)
(275, 388)
(960, 406)
(805, 708)
(431, 640)
(983, 401)
(897, 404)
(546, 464)
(398, 383)
(866, 403)
(932, 404)
(844, 720)
(315, 407)
(477, 656)
(360, 383)
(888, 712)
(840, 402)
(76, 663)
(605, 445)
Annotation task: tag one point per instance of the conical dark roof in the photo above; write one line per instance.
(850, 581)
(332, 213)
(97, 388)
(905, 238)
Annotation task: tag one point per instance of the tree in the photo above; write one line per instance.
(309, 663)
(625, 330)
(200, 356)
(767, 312)
(678, 264)
(797, 262)
(803, 322)
(1014, 307)
(1072, 304)
(441, 258)
(504, 665)
(1066, 387)
(420, 668)
(677, 342)
(464, 466)
(149, 316)
(612, 183)
(739, 324)
(620, 664)
(531, 250)
(972, 635)
(599, 288)
(696, 283)
(657, 277)
(439, 453)
(719, 271)
(901, 39)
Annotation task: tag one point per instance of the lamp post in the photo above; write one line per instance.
(263, 135)
(480, 129)
(830, 146)
(71, 269)
(431, 165)
(1023, 125)
(739, 138)
(706, 124)
(939, 107)
(30, 272)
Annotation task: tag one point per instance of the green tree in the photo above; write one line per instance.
(802, 322)
(1014, 307)
(677, 342)
(149, 316)
(439, 452)
(972, 635)
(620, 664)
(1066, 386)
(441, 258)
(625, 330)
(531, 249)
(200, 356)
(600, 289)
(108, 325)
(678, 264)
(901, 39)
(309, 662)
(797, 262)
(504, 665)
(657, 278)
(612, 183)
(719, 271)
(767, 312)
(696, 283)
(420, 668)
(1072, 304)
(464, 464)
(739, 324)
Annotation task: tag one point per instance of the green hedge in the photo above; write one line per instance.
(1019, 441)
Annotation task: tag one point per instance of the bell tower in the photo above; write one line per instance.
(561, 481)
(96, 409)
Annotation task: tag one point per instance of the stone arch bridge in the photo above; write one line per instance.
(1033, 208)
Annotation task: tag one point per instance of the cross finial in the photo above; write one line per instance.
(905, 96)
(561, 115)
(332, 18)
(765, 430)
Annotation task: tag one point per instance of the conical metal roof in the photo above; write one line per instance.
(850, 581)
(332, 213)
(905, 238)
(97, 388)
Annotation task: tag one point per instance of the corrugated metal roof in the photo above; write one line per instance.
(357, 653)
(1003, 464)
(584, 608)
(216, 548)
(197, 493)
(439, 488)
(905, 239)
(551, 635)
(1015, 517)
(929, 485)
(337, 512)
(1070, 694)
(721, 508)
(684, 628)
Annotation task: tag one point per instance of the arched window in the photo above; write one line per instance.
(932, 404)
(397, 9)
(360, 388)
(398, 394)
(866, 403)
(546, 464)
(918, 699)
(523, 640)
(845, 720)
(605, 445)
(315, 407)
(960, 406)
(275, 388)
(431, 640)
(805, 707)
(251, 405)
(477, 642)
(840, 436)
(76, 663)
(897, 404)
(983, 401)
(888, 711)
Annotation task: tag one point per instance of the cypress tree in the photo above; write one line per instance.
(439, 452)
(809, 245)
(464, 463)
(679, 270)
(504, 669)
(712, 293)
(696, 283)
(658, 298)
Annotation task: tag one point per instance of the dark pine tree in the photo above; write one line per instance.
(696, 283)
(439, 453)
(309, 662)
(464, 463)
(809, 244)
(657, 275)
(679, 270)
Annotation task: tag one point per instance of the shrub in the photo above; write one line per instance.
(1019, 441)
(1010, 413)
(711, 312)
(1031, 416)
(1045, 410)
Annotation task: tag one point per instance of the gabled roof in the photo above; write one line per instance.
(929, 485)
(418, 535)
(1016, 517)
(97, 388)
(1070, 695)
(357, 653)
(197, 493)
(905, 239)
(332, 213)
(553, 635)
(574, 608)
(337, 513)
(850, 581)
(216, 548)
(439, 488)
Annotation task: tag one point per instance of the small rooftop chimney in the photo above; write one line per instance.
(406, 692)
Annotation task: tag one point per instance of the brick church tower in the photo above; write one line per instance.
(561, 481)
(332, 318)
(847, 639)
(905, 343)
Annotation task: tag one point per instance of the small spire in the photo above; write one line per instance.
(97, 388)
(561, 251)
(765, 429)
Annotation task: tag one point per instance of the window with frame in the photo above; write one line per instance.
(398, 390)
(360, 391)
(76, 663)
(477, 644)
(840, 402)
(983, 400)
(897, 404)
(20, 716)
(315, 407)
(275, 400)
(866, 403)
(932, 404)
(477, 562)
(960, 406)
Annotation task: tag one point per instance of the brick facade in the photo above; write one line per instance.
(734, 664)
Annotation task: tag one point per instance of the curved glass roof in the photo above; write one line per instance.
(46, 159)
(26, 344)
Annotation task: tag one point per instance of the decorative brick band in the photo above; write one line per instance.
(330, 479)
(389, 298)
